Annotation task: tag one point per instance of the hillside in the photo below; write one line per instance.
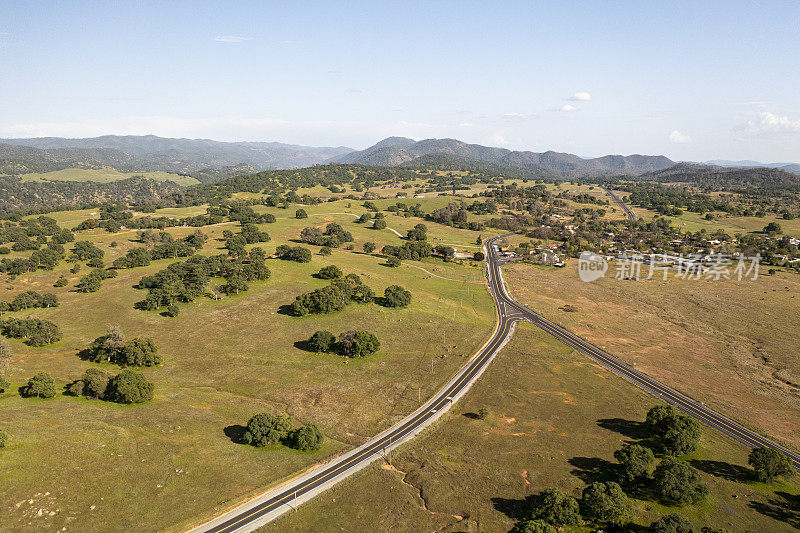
(397, 151)
(132, 153)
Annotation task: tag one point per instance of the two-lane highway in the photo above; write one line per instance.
(272, 504)
(258, 511)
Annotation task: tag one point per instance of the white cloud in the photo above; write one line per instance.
(355, 90)
(582, 96)
(466, 125)
(515, 116)
(567, 108)
(231, 39)
(770, 123)
(679, 138)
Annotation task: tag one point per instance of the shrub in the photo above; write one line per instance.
(394, 261)
(301, 213)
(770, 464)
(322, 341)
(605, 503)
(307, 438)
(396, 296)
(3, 439)
(40, 386)
(483, 413)
(635, 461)
(4, 384)
(557, 508)
(173, 310)
(533, 526)
(330, 272)
(671, 523)
(94, 383)
(358, 343)
(369, 247)
(478, 256)
(293, 253)
(129, 387)
(379, 223)
(264, 429)
(679, 483)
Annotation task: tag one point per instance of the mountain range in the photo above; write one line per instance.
(402, 151)
(133, 153)
(210, 161)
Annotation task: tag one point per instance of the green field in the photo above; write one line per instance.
(106, 175)
(555, 421)
(169, 463)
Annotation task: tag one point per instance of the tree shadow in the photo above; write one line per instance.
(514, 509)
(591, 469)
(784, 507)
(285, 309)
(84, 354)
(628, 428)
(724, 470)
(235, 433)
(473, 416)
(304, 345)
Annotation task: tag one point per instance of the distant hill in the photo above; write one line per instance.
(794, 168)
(401, 151)
(717, 177)
(132, 153)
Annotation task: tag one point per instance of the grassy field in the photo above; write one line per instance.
(168, 463)
(731, 344)
(555, 421)
(106, 175)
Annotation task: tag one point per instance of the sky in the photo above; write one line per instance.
(690, 80)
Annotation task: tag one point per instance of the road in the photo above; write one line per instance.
(258, 511)
(625, 209)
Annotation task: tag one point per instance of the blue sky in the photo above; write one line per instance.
(693, 81)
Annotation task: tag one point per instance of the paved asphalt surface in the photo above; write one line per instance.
(244, 517)
(627, 210)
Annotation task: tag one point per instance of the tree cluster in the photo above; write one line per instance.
(265, 429)
(114, 348)
(35, 331)
(334, 297)
(28, 300)
(184, 281)
(126, 387)
(297, 254)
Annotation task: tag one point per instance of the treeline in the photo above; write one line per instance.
(29, 300)
(34, 331)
